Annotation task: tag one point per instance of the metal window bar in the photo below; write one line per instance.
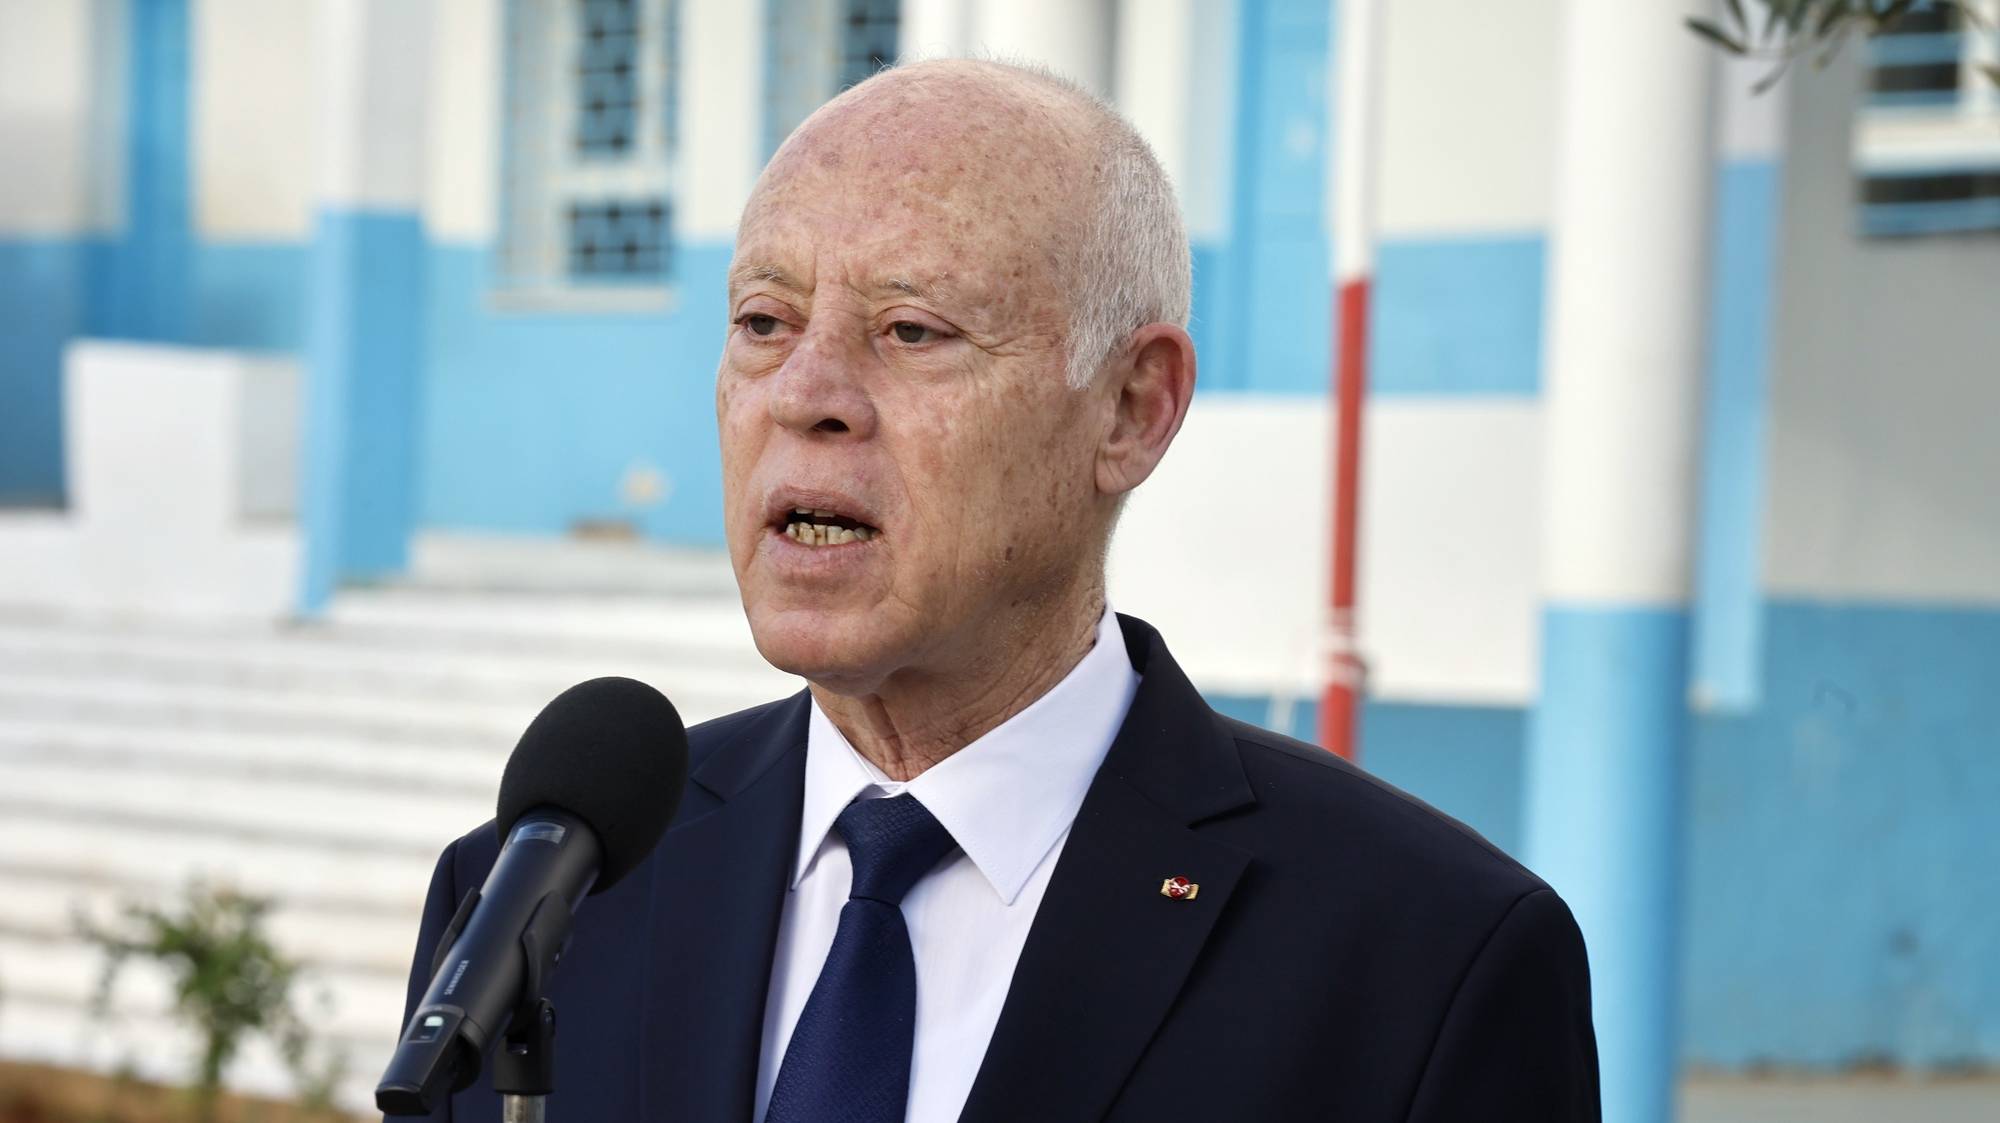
(589, 157)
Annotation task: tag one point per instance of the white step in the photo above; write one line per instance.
(401, 819)
(365, 763)
(121, 849)
(322, 765)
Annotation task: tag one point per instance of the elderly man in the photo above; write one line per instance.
(1001, 862)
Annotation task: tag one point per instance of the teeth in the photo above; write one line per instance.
(820, 534)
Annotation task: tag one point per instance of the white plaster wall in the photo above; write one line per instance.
(463, 174)
(1450, 549)
(179, 462)
(47, 80)
(1883, 458)
(251, 109)
(1468, 116)
(1209, 548)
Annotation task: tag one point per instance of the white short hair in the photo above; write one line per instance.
(1132, 266)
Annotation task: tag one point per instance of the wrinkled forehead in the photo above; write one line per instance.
(924, 181)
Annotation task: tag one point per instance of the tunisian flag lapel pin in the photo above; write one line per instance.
(1179, 889)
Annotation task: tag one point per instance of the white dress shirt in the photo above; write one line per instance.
(1008, 800)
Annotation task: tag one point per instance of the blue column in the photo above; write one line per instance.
(365, 296)
(141, 277)
(1604, 791)
(363, 356)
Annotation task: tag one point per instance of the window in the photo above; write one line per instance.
(1927, 144)
(590, 154)
(817, 48)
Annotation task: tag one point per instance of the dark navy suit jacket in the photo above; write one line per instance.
(1352, 953)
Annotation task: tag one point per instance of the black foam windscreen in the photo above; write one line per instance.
(610, 751)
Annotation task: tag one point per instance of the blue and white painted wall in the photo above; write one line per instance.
(1845, 618)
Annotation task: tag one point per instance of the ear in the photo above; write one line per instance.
(1148, 385)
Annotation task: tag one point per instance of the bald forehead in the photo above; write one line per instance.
(949, 176)
(973, 135)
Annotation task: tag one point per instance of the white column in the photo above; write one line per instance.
(1071, 37)
(934, 28)
(1154, 76)
(1622, 387)
(722, 114)
(375, 63)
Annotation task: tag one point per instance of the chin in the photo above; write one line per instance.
(828, 648)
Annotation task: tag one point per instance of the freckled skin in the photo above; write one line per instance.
(944, 411)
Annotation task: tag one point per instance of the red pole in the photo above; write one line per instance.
(1356, 26)
(1341, 702)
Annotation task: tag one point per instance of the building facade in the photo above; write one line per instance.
(559, 216)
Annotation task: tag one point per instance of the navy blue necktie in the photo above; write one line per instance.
(849, 1057)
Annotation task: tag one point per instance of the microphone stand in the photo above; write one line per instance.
(524, 1068)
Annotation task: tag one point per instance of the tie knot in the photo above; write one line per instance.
(892, 842)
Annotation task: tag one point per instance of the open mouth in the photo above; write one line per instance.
(812, 526)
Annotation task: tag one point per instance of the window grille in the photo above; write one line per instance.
(817, 48)
(589, 164)
(1927, 143)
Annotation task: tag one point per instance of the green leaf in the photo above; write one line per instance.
(1991, 71)
(1716, 35)
(1834, 16)
(1765, 83)
(1736, 17)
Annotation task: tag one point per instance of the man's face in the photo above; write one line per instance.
(895, 369)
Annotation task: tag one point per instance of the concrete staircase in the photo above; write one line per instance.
(323, 764)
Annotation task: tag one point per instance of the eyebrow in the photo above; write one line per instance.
(748, 274)
(920, 288)
(916, 287)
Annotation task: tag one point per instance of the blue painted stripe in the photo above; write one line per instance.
(1602, 815)
(249, 295)
(1736, 418)
(363, 355)
(1928, 48)
(1842, 847)
(532, 420)
(1269, 312)
(1463, 760)
(1839, 836)
(141, 292)
(1952, 217)
(1458, 315)
(42, 304)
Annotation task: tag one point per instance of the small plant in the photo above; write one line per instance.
(230, 983)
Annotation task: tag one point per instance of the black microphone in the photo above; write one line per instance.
(585, 797)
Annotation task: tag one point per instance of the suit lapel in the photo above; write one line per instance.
(1108, 952)
(718, 890)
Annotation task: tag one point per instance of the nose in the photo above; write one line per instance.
(819, 393)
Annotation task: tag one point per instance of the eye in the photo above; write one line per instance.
(909, 331)
(759, 324)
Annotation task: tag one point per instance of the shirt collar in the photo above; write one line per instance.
(1008, 797)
